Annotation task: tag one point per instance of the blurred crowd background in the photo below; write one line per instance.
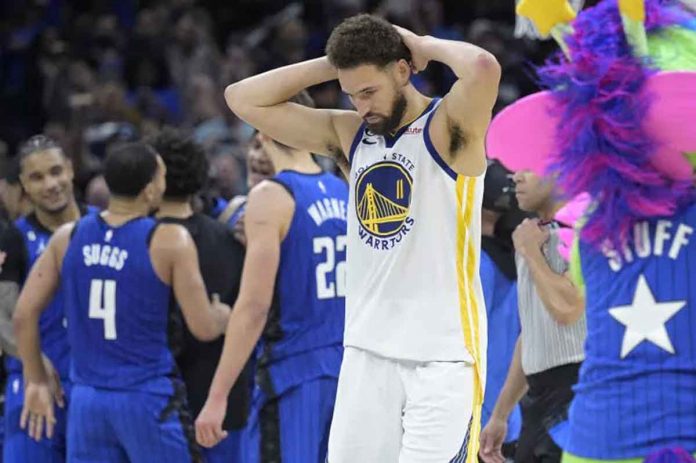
(90, 73)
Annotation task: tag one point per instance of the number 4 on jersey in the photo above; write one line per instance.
(102, 305)
(326, 289)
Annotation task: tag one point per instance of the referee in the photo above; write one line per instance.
(221, 258)
(549, 349)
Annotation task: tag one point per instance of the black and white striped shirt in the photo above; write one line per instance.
(545, 342)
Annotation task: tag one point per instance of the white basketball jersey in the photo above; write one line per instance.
(414, 239)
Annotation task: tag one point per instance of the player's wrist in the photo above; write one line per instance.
(499, 414)
(322, 70)
(216, 398)
(36, 375)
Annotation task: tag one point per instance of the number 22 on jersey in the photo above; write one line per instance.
(329, 289)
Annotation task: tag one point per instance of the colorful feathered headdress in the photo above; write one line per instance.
(618, 118)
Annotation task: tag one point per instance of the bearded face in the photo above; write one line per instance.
(377, 94)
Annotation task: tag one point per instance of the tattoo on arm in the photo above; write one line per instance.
(9, 292)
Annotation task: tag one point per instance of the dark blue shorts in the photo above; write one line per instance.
(108, 426)
(229, 450)
(293, 427)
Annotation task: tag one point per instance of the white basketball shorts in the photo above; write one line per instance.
(393, 411)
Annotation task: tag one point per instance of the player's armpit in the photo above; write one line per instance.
(469, 103)
(460, 123)
(61, 240)
(346, 124)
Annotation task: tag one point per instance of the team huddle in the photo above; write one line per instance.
(337, 321)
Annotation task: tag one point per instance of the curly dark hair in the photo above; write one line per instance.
(365, 39)
(186, 162)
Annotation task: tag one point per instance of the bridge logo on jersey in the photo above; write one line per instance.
(382, 201)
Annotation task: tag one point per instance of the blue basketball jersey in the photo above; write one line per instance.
(117, 308)
(54, 341)
(637, 387)
(309, 302)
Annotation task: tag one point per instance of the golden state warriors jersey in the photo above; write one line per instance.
(414, 239)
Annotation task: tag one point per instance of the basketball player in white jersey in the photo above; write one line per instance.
(411, 382)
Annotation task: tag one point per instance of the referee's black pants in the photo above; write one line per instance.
(545, 405)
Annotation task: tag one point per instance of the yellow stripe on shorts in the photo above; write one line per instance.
(468, 305)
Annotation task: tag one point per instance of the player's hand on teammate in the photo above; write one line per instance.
(222, 310)
(418, 60)
(529, 235)
(491, 440)
(37, 412)
(209, 423)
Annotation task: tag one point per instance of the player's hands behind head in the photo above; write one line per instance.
(418, 60)
(209, 430)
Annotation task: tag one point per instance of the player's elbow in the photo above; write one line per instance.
(206, 331)
(571, 312)
(208, 327)
(487, 66)
(231, 95)
(234, 96)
